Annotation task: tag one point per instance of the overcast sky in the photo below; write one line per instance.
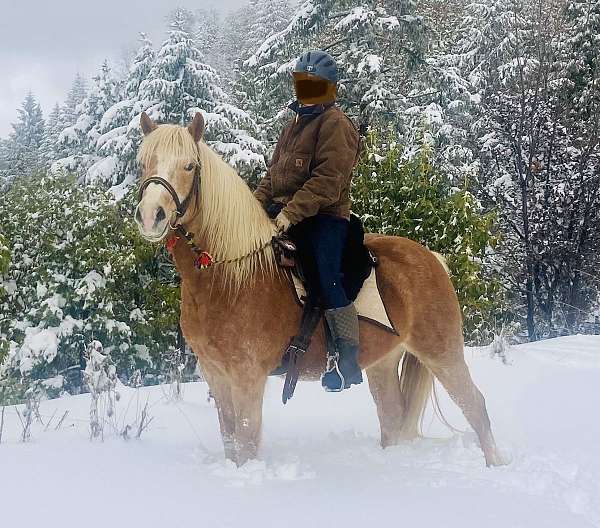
(43, 43)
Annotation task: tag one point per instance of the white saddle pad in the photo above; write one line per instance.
(369, 303)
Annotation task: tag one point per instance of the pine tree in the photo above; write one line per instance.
(244, 32)
(180, 81)
(580, 57)
(98, 280)
(578, 144)
(533, 168)
(24, 146)
(70, 110)
(207, 26)
(266, 18)
(51, 133)
(180, 84)
(413, 198)
(141, 66)
(79, 140)
(119, 127)
(378, 45)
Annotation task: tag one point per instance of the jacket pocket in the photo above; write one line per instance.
(297, 170)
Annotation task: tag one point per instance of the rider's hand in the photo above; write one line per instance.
(282, 222)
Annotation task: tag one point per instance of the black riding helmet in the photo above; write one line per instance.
(315, 77)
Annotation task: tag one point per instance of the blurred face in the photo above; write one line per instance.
(311, 89)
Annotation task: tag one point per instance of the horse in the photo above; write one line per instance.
(239, 313)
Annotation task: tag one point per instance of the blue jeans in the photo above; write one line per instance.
(320, 241)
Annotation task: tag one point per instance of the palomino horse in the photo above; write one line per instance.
(239, 314)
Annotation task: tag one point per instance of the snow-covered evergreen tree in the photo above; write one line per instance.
(181, 84)
(119, 128)
(80, 139)
(51, 134)
(180, 81)
(70, 110)
(580, 57)
(207, 28)
(23, 150)
(78, 271)
(141, 65)
(377, 44)
(266, 18)
(534, 170)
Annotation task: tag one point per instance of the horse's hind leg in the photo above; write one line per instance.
(453, 373)
(385, 388)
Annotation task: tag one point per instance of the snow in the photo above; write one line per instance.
(112, 112)
(39, 342)
(120, 190)
(103, 170)
(90, 283)
(356, 16)
(320, 459)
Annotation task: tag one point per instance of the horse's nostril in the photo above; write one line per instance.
(138, 215)
(160, 214)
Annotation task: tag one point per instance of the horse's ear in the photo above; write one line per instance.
(196, 127)
(147, 124)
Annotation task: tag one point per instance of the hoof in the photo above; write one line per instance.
(496, 459)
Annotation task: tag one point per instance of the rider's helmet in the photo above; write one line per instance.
(315, 78)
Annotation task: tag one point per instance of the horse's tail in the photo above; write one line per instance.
(416, 383)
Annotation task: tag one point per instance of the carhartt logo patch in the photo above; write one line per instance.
(299, 162)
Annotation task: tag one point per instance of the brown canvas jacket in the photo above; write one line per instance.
(312, 166)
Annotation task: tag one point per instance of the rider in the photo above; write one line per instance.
(307, 191)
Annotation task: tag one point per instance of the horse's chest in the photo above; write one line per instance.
(215, 329)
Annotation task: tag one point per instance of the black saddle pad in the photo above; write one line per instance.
(357, 261)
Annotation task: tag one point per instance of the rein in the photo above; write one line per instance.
(203, 259)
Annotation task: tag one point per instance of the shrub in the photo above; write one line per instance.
(79, 272)
(414, 199)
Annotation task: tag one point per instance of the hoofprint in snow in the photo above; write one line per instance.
(320, 458)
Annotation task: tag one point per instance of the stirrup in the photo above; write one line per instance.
(333, 366)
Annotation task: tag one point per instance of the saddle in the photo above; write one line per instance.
(357, 265)
(357, 260)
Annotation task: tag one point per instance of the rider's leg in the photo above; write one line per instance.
(328, 239)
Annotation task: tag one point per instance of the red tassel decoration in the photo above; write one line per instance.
(171, 243)
(204, 260)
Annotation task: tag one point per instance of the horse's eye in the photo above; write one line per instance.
(189, 167)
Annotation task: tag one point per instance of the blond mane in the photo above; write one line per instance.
(230, 221)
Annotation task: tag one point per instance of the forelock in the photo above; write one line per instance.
(169, 142)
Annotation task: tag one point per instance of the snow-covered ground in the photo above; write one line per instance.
(321, 464)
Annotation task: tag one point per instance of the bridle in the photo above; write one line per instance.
(203, 259)
(180, 207)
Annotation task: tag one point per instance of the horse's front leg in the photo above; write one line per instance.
(220, 388)
(247, 394)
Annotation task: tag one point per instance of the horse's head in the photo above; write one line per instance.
(169, 188)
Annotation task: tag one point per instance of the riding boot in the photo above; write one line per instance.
(343, 369)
